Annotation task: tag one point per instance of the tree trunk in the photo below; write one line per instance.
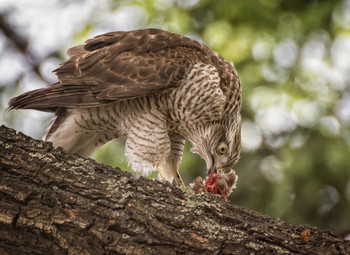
(52, 202)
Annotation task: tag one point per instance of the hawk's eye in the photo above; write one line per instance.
(222, 149)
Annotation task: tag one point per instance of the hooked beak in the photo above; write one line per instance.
(211, 169)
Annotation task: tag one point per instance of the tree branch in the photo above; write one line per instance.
(53, 201)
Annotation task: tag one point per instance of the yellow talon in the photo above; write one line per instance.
(177, 177)
(169, 175)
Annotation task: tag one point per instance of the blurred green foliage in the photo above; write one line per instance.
(293, 58)
(300, 171)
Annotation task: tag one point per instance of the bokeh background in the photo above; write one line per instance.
(293, 58)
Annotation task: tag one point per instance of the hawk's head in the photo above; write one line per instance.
(220, 144)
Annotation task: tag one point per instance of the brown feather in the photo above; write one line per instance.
(60, 116)
(123, 65)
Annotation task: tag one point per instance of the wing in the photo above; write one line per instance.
(117, 66)
(123, 65)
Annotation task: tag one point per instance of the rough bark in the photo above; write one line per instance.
(56, 203)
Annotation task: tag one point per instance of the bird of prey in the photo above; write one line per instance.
(156, 88)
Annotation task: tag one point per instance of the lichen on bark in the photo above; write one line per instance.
(59, 203)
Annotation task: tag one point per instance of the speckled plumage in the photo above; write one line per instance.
(155, 87)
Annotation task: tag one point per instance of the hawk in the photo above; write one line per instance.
(156, 88)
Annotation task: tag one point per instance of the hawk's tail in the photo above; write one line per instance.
(63, 130)
(35, 99)
(50, 98)
(61, 115)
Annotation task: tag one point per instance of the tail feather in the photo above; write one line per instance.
(56, 121)
(49, 99)
(48, 128)
(64, 102)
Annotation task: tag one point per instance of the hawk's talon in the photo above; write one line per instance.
(177, 177)
(165, 174)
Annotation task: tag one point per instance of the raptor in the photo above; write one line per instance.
(154, 87)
